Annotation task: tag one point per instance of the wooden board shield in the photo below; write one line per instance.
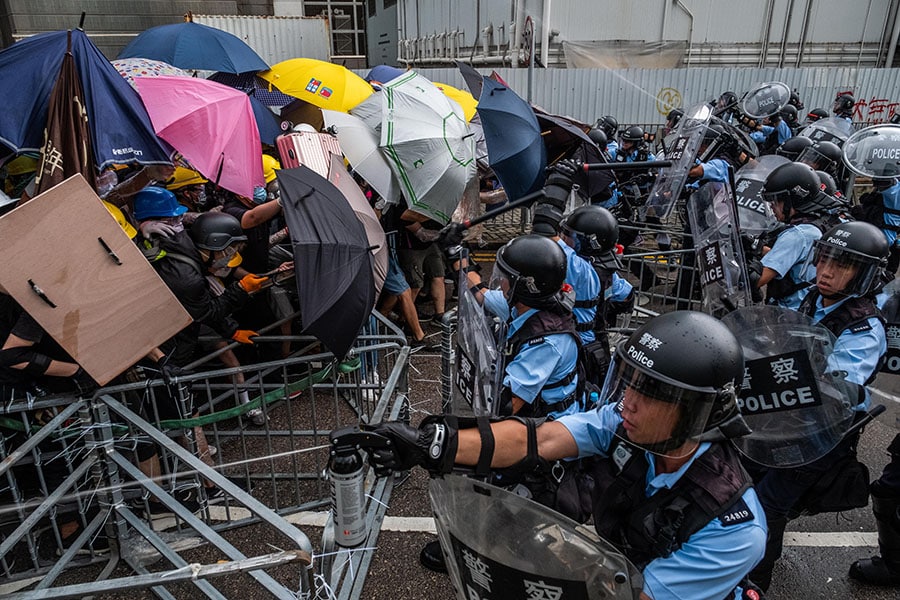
(76, 272)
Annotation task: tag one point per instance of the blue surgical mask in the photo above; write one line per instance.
(259, 195)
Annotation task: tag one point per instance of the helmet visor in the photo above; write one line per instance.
(812, 157)
(658, 415)
(840, 271)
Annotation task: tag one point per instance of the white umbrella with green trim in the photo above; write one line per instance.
(428, 145)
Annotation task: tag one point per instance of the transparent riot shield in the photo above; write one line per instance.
(885, 389)
(765, 99)
(874, 152)
(478, 370)
(754, 213)
(506, 547)
(829, 129)
(720, 256)
(683, 151)
(797, 409)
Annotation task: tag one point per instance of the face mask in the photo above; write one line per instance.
(225, 272)
(260, 195)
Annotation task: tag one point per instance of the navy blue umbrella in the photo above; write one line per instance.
(383, 73)
(249, 82)
(268, 124)
(119, 126)
(513, 137)
(190, 45)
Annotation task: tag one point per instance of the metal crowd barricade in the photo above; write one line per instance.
(76, 461)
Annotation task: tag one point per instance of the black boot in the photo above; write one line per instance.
(885, 569)
(432, 557)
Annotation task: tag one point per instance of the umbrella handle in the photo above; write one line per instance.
(523, 201)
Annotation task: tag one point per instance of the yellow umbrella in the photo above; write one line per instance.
(321, 83)
(466, 100)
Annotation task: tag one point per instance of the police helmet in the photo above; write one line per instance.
(633, 134)
(798, 187)
(789, 114)
(792, 147)
(216, 231)
(795, 101)
(598, 136)
(609, 124)
(856, 244)
(674, 116)
(816, 114)
(535, 267)
(843, 105)
(687, 362)
(828, 184)
(593, 228)
(156, 203)
(821, 155)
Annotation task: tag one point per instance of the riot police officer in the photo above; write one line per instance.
(633, 147)
(843, 107)
(591, 232)
(610, 126)
(849, 263)
(670, 492)
(794, 191)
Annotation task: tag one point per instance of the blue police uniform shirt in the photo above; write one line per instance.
(547, 360)
(788, 255)
(632, 156)
(715, 169)
(714, 559)
(612, 147)
(784, 133)
(855, 352)
(586, 283)
(891, 199)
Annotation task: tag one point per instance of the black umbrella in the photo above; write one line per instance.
(332, 259)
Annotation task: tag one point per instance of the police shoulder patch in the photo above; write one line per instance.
(737, 514)
(863, 326)
(536, 341)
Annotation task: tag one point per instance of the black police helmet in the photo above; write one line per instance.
(535, 267)
(857, 244)
(674, 116)
(797, 186)
(216, 231)
(843, 105)
(789, 114)
(816, 114)
(792, 147)
(594, 229)
(609, 124)
(828, 184)
(598, 136)
(633, 134)
(821, 155)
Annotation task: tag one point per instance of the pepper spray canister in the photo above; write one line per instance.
(347, 496)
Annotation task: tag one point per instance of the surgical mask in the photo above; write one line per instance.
(260, 195)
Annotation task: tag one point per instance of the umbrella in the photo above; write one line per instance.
(332, 259)
(383, 73)
(369, 110)
(360, 145)
(561, 135)
(472, 78)
(251, 84)
(268, 124)
(194, 46)
(428, 145)
(129, 68)
(118, 123)
(211, 125)
(342, 180)
(461, 97)
(513, 137)
(321, 83)
(67, 149)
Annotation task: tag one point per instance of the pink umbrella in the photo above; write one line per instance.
(211, 125)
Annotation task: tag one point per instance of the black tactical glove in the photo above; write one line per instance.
(84, 382)
(432, 445)
(451, 235)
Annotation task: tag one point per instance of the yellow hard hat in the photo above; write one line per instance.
(120, 219)
(22, 164)
(184, 177)
(270, 165)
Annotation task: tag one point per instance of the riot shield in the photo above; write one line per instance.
(670, 182)
(720, 256)
(797, 410)
(765, 99)
(885, 389)
(506, 547)
(829, 129)
(754, 213)
(874, 152)
(478, 373)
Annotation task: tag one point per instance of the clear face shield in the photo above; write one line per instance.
(839, 272)
(818, 161)
(658, 415)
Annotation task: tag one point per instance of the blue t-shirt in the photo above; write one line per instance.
(711, 563)
(787, 257)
